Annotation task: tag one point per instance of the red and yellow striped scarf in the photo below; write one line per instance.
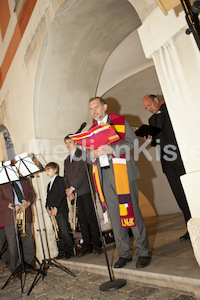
(121, 180)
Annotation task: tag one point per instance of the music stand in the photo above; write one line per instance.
(9, 174)
(29, 165)
(113, 284)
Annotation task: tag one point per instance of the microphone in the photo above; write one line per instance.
(81, 128)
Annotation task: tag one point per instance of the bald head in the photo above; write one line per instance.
(151, 103)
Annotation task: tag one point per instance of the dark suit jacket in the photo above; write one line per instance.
(7, 196)
(75, 174)
(166, 137)
(56, 196)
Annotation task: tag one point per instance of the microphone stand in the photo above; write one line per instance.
(112, 284)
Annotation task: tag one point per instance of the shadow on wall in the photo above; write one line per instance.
(145, 185)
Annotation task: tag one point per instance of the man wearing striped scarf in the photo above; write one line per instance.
(115, 175)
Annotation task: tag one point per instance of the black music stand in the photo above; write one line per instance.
(113, 284)
(9, 174)
(29, 165)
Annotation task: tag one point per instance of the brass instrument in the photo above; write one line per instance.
(73, 220)
(55, 227)
(21, 221)
(72, 210)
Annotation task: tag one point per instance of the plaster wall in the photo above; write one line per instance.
(144, 8)
(17, 98)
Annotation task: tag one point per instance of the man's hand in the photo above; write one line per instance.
(149, 138)
(25, 204)
(54, 211)
(49, 211)
(71, 197)
(69, 191)
(105, 149)
(14, 207)
(11, 206)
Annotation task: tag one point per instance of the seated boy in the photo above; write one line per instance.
(56, 205)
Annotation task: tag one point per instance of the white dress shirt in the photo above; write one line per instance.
(52, 180)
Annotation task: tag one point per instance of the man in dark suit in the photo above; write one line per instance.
(56, 206)
(10, 202)
(76, 181)
(103, 158)
(170, 156)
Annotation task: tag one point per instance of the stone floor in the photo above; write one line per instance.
(172, 275)
(59, 285)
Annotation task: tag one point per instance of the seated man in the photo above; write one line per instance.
(18, 197)
(56, 206)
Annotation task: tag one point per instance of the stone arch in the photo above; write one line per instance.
(81, 41)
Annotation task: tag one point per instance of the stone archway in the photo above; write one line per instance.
(79, 41)
(84, 37)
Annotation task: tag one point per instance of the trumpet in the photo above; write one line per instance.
(55, 227)
(21, 221)
(74, 219)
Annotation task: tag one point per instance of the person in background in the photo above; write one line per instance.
(56, 206)
(16, 197)
(76, 181)
(172, 163)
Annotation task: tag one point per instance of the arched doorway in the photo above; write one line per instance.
(88, 44)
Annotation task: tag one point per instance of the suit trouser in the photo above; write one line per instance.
(121, 234)
(179, 194)
(65, 244)
(88, 222)
(3, 245)
(27, 246)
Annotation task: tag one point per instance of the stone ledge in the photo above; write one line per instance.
(146, 276)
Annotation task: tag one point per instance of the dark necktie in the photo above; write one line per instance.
(18, 192)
